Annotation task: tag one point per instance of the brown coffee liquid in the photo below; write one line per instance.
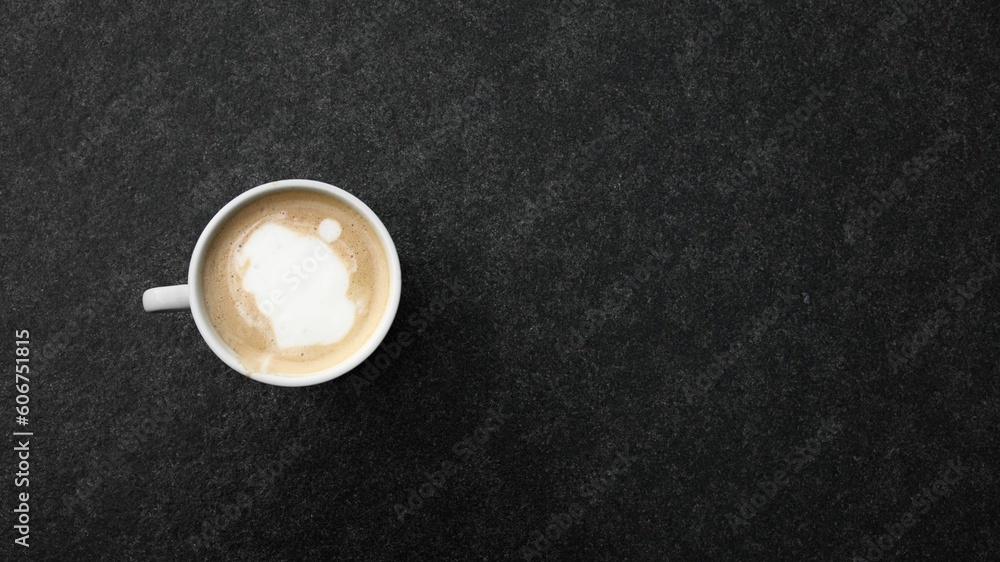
(234, 312)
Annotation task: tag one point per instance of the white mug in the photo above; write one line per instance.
(181, 297)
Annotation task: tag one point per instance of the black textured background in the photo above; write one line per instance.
(676, 240)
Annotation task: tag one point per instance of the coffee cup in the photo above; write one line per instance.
(292, 283)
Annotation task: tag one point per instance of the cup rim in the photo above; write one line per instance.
(223, 351)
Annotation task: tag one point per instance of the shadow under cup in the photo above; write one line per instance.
(297, 205)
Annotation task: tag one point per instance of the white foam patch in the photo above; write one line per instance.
(361, 305)
(329, 230)
(298, 284)
(265, 363)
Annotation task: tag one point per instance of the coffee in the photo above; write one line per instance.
(295, 282)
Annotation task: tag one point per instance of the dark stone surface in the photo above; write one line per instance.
(698, 244)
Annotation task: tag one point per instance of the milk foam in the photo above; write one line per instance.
(298, 283)
(329, 230)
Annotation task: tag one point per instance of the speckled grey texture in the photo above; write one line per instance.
(728, 279)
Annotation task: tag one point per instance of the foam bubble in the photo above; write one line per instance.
(298, 285)
(329, 230)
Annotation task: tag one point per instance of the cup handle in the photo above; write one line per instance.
(162, 299)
